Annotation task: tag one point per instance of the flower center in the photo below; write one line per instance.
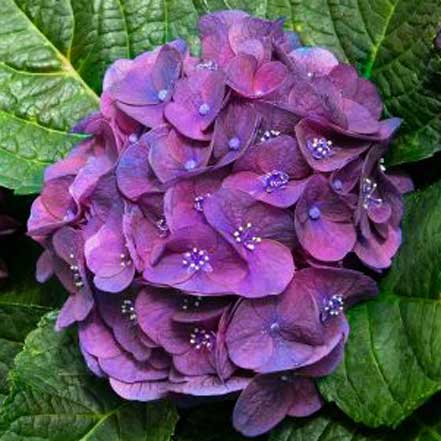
(337, 184)
(333, 307)
(368, 188)
(196, 259)
(314, 212)
(162, 226)
(199, 202)
(268, 134)
(320, 148)
(76, 276)
(133, 138)
(191, 302)
(234, 143)
(125, 260)
(275, 180)
(202, 339)
(207, 65)
(128, 310)
(190, 164)
(204, 108)
(162, 94)
(245, 236)
(275, 327)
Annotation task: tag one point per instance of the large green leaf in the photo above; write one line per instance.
(393, 358)
(425, 425)
(22, 301)
(53, 55)
(54, 398)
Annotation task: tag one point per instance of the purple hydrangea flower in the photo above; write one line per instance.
(206, 227)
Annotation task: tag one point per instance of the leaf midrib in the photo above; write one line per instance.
(367, 71)
(67, 66)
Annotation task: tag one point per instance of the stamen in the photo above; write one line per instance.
(128, 309)
(190, 164)
(333, 307)
(207, 65)
(202, 339)
(245, 236)
(191, 302)
(162, 94)
(204, 108)
(125, 260)
(234, 143)
(199, 202)
(320, 148)
(196, 260)
(314, 212)
(275, 180)
(162, 226)
(76, 276)
(265, 135)
(368, 188)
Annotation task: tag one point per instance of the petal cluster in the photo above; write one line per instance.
(207, 228)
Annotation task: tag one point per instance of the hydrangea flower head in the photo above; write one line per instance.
(208, 228)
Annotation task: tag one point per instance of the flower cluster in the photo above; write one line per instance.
(206, 228)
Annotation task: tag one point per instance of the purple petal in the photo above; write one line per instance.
(172, 156)
(196, 103)
(124, 368)
(107, 256)
(96, 338)
(269, 398)
(134, 175)
(142, 391)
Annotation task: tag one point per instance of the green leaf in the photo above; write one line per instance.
(53, 55)
(22, 301)
(425, 425)
(55, 398)
(393, 358)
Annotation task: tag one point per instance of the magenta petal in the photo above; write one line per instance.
(107, 256)
(196, 103)
(194, 363)
(359, 118)
(315, 61)
(325, 150)
(92, 363)
(209, 385)
(306, 398)
(326, 365)
(377, 252)
(269, 77)
(262, 405)
(172, 156)
(96, 338)
(134, 176)
(234, 131)
(141, 391)
(268, 258)
(324, 223)
(254, 185)
(153, 308)
(76, 309)
(45, 267)
(124, 368)
(248, 79)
